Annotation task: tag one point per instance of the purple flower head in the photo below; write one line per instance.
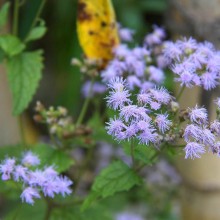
(193, 132)
(29, 194)
(162, 122)
(209, 80)
(186, 79)
(193, 150)
(126, 34)
(20, 172)
(198, 115)
(172, 52)
(115, 126)
(215, 127)
(133, 81)
(121, 51)
(148, 136)
(161, 95)
(6, 168)
(30, 159)
(119, 95)
(141, 53)
(156, 37)
(208, 137)
(187, 45)
(156, 74)
(133, 112)
(64, 186)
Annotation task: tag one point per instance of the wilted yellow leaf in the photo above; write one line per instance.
(97, 28)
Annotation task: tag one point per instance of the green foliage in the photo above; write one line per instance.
(51, 156)
(116, 177)
(25, 211)
(97, 212)
(4, 14)
(37, 32)
(11, 45)
(24, 74)
(142, 153)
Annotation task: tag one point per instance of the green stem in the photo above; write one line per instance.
(180, 93)
(39, 11)
(15, 18)
(85, 105)
(22, 133)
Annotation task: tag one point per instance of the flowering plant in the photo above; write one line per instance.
(113, 149)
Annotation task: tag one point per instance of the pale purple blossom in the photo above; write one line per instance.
(156, 37)
(194, 150)
(198, 115)
(162, 122)
(29, 194)
(215, 127)
(126, 34)
(30, 159)
(6, 168)
(193, 132)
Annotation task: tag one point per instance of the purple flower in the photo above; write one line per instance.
(156, 37)
(156, 74)
(64, 185)
(30, 159)
(29, 194)
(126, 34)
(148, 136)
(193, 150)
(20, 172)
(117, 99)
(133, 82)
(134, 112)
(193, 131)
(208, 137)
(161, 95)
(7, 167)
(215, 127)
(209, 80)
(115, 126)
(163, 123)
(198, 115)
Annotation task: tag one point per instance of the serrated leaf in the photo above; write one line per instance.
(11, 45)
(89, 200)
(116, 177)
(24, 74)
(4, 14)
(36, 33)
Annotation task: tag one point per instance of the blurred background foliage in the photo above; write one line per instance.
(61, 82)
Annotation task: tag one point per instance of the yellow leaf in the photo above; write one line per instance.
(97, 28)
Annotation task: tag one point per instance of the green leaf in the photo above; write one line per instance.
(24, 74)
(4, 14)
(116, 177)
(89, 200)
(36, 33)
(142, 152)
(51, 156)
(11, 45)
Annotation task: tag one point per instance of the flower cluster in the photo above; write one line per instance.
(193, 63)
(141, 66)
(138, 120)
(199, 134)
(35, 181)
